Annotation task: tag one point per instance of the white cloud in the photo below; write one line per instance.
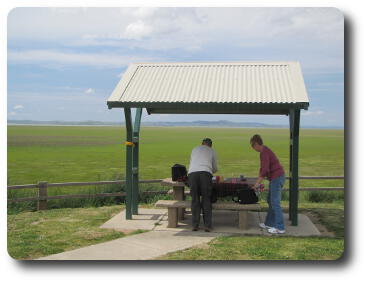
(144, 12)
(313, 36)
(16, 107)
(137, 30)
(248, 24)
(72, 58)
(89, 90)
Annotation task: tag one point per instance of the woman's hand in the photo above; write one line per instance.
(258, 182)
(255, 186)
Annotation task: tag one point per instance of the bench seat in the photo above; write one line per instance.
(174, 205)
(186, 192)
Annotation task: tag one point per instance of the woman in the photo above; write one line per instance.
(274, 172)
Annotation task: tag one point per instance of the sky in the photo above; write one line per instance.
(63, 63)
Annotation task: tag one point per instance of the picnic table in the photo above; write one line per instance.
(178, 189)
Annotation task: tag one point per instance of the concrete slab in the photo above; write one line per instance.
(305, 226)
(223, 222)
(145, 220)
(137, 247)
(227, 222)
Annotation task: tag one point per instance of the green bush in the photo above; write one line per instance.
(322, 196)
(311, 196)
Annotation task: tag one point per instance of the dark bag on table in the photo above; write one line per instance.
(179, 173)
(245, 196)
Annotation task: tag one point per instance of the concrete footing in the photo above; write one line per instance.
(223, 222)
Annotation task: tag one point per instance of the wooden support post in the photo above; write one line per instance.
(135, 162)
(129, 165)
(295, 149)
(42, 196)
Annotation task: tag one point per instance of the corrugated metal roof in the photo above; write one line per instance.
(231, 82)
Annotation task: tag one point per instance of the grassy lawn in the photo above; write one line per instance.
(276, 247)
(67, 154)
(36, 234)
(263, 248)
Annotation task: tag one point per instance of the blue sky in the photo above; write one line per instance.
(63, 63)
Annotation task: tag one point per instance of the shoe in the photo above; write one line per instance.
(195, 228)
(207, 229)
(263, 226)
(273, 230)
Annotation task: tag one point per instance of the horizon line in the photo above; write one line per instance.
(69, 123)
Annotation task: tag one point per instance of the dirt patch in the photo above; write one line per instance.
(37, 222)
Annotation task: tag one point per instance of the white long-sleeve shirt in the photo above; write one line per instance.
(203, 158)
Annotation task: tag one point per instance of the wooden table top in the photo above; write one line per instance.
(168, 182)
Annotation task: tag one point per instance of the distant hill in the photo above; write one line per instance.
(219, 123)
(63, 123)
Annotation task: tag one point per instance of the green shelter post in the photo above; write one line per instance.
(291, 116)
(135, 162)
(294, 119)
(129, 165)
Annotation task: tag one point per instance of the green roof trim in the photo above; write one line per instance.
(211, 108)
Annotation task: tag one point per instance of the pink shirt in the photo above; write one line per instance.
(270, 166)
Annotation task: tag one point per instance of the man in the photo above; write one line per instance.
(274, 172)
(203, 164)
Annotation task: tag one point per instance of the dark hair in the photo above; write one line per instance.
(256, 139)
(208, 141)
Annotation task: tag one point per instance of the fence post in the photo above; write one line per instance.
(42, 196)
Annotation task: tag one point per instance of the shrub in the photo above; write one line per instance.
(322, 196)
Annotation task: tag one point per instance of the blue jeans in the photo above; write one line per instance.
(274, 218)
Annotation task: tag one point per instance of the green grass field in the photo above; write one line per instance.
(72, 154)
(63, 154)
(67, 154)
(36, 234)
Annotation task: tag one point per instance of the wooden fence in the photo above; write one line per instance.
(43, 196)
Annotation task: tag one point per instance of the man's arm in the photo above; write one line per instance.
(190, 164)
(214, 162)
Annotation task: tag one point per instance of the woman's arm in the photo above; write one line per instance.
(258, 182)
(264, 169)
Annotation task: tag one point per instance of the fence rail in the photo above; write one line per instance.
(43, 197)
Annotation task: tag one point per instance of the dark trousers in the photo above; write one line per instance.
(201, 186)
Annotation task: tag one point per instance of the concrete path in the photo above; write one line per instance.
(137, 247)
(161, 240)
